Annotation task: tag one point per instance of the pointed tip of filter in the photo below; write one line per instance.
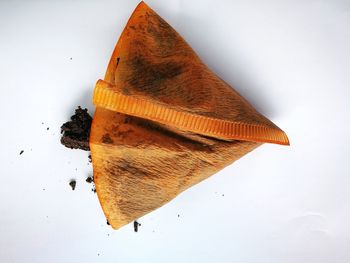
(142, 4)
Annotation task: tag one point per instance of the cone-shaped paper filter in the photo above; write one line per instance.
(164, 121)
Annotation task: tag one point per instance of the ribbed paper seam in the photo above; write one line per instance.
(106, 97)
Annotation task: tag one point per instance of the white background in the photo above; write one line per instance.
(290, 59)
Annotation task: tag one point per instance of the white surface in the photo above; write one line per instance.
(291, 59)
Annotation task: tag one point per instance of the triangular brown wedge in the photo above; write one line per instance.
(164, 121)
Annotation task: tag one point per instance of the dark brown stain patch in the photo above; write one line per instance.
(163, 34)
(106, 138)
(126, 91)
(150, 77)
(127, 119)
(123, 134)
(127, 167)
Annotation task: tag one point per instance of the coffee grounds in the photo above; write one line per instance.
(136, 226)
(72, 184)
(89, 180)
(76, 132)
(75, 135)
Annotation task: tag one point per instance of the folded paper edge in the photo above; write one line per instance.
(108, 97)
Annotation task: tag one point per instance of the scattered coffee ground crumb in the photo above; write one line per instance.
(72, 184)
(90, 160)
(20, 153)
(77, 131)
(94, 190)
(47, 128)
(108, 222)
(89, 179)
(136, 226)
(178, 215)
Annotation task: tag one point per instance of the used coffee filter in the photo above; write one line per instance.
(164, 121)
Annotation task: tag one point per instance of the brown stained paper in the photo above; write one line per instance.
(164, 121)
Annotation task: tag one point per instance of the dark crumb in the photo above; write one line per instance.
(90, 160)
(136, 226)
(43, 189)
(70, 58)
(93, 190)
(178, 215)
(47, 128)
(98, 254)
(106, 138)
(42, 123)
(222, 195)
(20, 153)
(127, 119)
(89, 179)
(72, 184)
(118, 59)
(77, 131)
(108, 222)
